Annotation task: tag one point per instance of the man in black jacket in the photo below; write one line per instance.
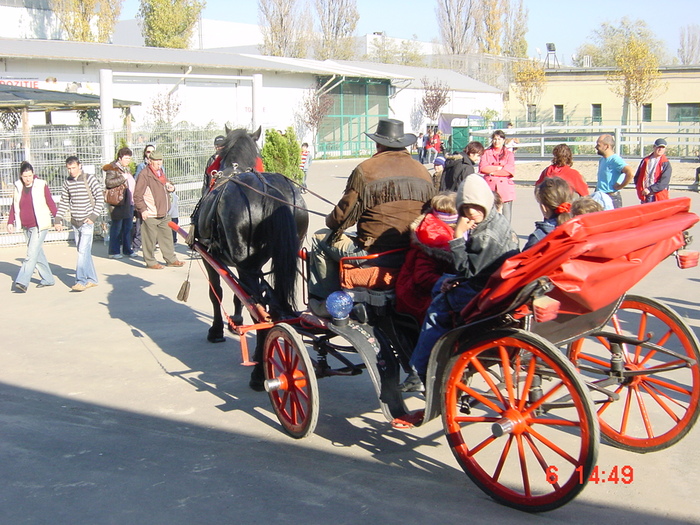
(458, 166)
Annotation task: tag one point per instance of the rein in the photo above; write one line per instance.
(218, 175)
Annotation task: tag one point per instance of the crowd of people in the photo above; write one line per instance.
(139, 206)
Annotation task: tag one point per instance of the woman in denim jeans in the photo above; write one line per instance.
(32, 209)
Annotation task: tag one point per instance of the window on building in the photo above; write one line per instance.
(597, 112)
(531, 113)
(558, 112)
(685, 112)
(646, 112)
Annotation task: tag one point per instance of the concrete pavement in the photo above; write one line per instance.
(115, 409)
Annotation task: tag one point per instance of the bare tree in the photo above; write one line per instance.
(316, 105)
(689, 50)
(337, 21)
(164, 108)
(285, 30)
(435, 96)
(80, 18)
(456, 24)
(394, 51)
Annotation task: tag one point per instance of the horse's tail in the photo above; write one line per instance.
(284, 247)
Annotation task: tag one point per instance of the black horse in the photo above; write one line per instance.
(245, 220)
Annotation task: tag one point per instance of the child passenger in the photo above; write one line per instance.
(482, 241)
(585, 205)
(429, 257)
(555, 197)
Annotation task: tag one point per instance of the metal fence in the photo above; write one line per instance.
(185, 150)
(630, 141)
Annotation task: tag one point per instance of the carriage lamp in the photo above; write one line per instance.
(339, 305)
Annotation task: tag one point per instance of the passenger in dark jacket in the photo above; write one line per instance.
(460, 165)
(555, 197)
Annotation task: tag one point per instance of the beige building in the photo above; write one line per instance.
(583, 96)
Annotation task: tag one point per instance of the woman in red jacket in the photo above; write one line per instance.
(561, 167)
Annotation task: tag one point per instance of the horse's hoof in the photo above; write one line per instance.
(216, 338)
(257, 379)
(257, 385)
(237, 320)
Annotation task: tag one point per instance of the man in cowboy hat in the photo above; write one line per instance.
(383, 196)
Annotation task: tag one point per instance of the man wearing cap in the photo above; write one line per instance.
(611, 169)
(152, 201)
(213, 163)
(382, 197)
(653, 175)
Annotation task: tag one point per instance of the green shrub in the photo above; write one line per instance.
(282, 154)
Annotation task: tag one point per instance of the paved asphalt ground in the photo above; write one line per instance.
(115, 410)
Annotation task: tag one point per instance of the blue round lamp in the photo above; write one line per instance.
(339, 305)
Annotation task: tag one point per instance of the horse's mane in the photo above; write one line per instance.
(239, 148)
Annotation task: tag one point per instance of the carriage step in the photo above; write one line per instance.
(344, 371)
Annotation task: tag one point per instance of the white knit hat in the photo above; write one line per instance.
(475, 190)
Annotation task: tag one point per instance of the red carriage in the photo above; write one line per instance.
(552, 353)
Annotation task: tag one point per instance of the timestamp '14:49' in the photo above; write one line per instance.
(617, 474)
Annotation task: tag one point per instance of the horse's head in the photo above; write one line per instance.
(240, 148)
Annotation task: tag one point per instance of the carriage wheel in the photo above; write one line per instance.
(519, 420)
(659, 406)
(290, 379)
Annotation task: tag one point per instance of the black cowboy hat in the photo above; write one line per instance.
(390, 133)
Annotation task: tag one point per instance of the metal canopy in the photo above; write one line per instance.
(31, 99)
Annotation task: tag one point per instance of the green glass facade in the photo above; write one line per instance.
(358, 104)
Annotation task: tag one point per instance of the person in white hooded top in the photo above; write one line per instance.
(32, 209)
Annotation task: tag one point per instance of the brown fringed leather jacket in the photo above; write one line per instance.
(383, 196)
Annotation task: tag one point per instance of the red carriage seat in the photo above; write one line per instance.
(591, 260)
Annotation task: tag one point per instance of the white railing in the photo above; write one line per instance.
(538, 141)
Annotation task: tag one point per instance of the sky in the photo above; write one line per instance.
(566, 23)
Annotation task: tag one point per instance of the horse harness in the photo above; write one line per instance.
(219, 178)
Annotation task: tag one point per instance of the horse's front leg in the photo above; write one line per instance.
(257, 375)
(216, 331)
(237, 311)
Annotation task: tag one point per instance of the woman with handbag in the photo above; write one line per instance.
(120, 182)
(32, 209)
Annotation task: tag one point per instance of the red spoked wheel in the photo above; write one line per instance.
(519, 420)
(290, 380)
(653, 403)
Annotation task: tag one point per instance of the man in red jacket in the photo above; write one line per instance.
(653, 175)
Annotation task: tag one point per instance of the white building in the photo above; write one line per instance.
(216, 86)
